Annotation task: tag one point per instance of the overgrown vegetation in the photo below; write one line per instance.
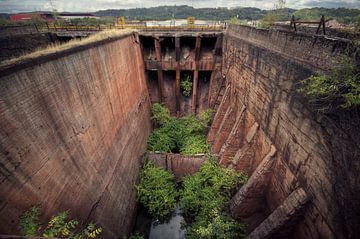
(185, 135)
(156, 190)
(186, 85)
(279, 12)
(340, 88)
(136, 236)
(204, 197)
(59, 226)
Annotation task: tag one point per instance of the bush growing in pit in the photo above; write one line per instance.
(156, 190)
(185, 135)
(59, 226)
(203, 200)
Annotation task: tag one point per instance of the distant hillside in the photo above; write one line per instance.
(165, 12)
(343, 15)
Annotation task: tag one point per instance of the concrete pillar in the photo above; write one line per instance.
(248, 199)
(177, 83)
(196, 74)
(159, 71)
(283, 218)
(232, 143)
(224, 130)
(220, 113)
(216, 78)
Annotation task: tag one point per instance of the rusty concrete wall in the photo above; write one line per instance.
(179, 165)
(315, 151)
(72, 130)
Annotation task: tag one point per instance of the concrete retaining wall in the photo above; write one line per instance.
(314, 151)
(72, 130)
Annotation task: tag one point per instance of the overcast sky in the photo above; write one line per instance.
(94, 5)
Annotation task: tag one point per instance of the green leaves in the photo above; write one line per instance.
(160, 114)
(59, 226)
(156, 190)
(204, 196)
(341, 88)
(186, 85)
(185, 134)
(30, 221)
(216, 226)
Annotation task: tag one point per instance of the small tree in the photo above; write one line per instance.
(58, 226)
(273, 15)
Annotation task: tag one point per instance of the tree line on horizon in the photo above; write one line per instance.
(343, 15)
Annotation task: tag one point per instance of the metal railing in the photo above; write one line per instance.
(139, 27)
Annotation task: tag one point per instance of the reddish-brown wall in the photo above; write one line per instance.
(179, 165)
(73, 129)
(315, 151)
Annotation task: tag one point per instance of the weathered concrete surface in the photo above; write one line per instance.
(73, 129)
(178, 164)
(283, 217)
(315, 151)
(18, 45)
(250, 195)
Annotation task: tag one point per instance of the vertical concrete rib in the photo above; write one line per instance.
(216, 72)
(159, 71)
(177, 86)
(283, 217)
(220, 113)
(196, 74)
(246, 200)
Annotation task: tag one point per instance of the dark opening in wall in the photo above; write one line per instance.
(185, 101)
(203, 90)
(207, 47)
(168, 48)
(153, 85)
(187, 45)
(169, 91)
(148, 47)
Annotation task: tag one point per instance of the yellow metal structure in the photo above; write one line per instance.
(121, 21)
(191, 20)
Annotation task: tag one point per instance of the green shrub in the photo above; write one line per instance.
(215, 226)
(161, 140)
(30, 222)
(156, 190)
(203, 198)
(136, 236)
(207, 116)
(185, 135)
(194, 145)
(160, 114)
(341, 88)
(58, 226)
(186, 85)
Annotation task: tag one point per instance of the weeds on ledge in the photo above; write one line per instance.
(59, 226)
(339, 89)
(185, 135)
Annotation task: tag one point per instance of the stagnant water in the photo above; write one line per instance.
(172, 229)
(152, 228)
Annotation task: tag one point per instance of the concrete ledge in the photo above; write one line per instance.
(42, 56)
(179, 165)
